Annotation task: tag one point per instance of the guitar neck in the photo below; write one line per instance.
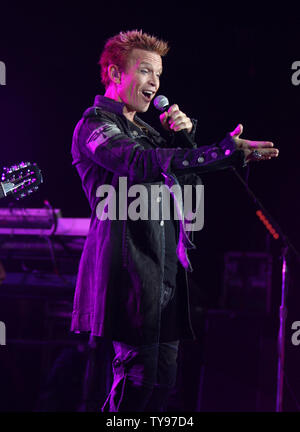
(20, 180)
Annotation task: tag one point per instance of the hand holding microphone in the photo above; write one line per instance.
(172, 119)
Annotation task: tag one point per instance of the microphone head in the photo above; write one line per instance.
(161, 103)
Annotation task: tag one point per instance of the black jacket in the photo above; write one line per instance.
(121, 268)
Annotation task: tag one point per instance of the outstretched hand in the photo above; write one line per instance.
(253, 150)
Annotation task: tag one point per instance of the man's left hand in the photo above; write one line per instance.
(253, 150)
(175, 120)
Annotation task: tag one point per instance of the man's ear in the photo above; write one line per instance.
(114, 74)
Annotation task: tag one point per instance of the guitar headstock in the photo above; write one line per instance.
(21, 180)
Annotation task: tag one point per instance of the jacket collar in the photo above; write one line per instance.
(108, 104)
(115, 107)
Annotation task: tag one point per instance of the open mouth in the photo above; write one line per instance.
(147, 94)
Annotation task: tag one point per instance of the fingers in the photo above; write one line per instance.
(163, 118)
(249, 144)
(262, 154)
(175, 117)
(174, 108)
(269, 153)
(181, 123)
(237, 131)
(177, 120)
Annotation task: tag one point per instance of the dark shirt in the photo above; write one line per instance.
(169, 302)
(169, 329)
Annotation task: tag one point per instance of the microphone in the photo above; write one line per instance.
(162, 104)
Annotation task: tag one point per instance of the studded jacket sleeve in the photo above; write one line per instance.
(101, 140)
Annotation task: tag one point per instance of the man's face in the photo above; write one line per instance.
(140, 80)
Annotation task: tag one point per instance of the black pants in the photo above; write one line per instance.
(143, 377)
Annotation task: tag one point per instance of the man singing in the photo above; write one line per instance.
(127, 287)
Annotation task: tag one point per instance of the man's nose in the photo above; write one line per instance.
(154, 81)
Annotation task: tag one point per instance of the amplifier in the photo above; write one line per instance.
(247, 282)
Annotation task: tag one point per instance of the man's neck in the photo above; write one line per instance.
(112, 94)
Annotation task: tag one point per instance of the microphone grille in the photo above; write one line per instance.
(161, 102)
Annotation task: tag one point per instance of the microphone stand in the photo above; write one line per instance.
(287, 247)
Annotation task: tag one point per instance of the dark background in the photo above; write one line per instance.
(223, 68)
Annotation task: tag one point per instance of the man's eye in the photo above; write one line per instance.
(144, 70)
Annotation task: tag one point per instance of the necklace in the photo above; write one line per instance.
(144, 128)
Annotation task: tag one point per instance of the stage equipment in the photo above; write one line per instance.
(39, 253)
(247, 282)
(287, 248)
(20, 180)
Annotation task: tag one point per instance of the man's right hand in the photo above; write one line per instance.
(175, 120)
